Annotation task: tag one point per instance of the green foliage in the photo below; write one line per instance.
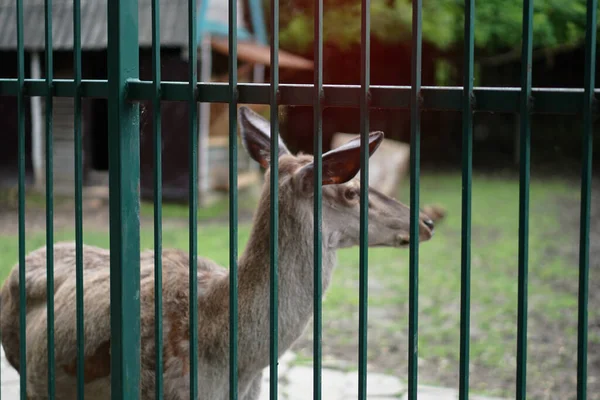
(555, 23)
(390, 22)
(445, 72)
(498, 23)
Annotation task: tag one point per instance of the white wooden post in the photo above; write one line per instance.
(204, 123)
(37, 140)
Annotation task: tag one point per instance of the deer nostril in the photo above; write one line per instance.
(428, 223)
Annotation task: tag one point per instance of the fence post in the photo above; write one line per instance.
(415, 161)
(124, 167)
(589, 107)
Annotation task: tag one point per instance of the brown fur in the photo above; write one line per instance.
(388, 226)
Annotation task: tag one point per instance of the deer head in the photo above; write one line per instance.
(389, 220)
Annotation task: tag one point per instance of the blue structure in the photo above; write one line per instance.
(215, 27)
(213, 21)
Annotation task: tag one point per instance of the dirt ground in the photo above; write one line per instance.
(389, 353)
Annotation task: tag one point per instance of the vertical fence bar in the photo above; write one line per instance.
(524, 170)
(467, 173)
(49, 72)
(415, 156)
(586, 194)
(21, 185)
(233, 203)
(274, 215)
(157, 155)
(365, 68)
(78, 149)
(124, 173)
(193, 197)
(318, 198)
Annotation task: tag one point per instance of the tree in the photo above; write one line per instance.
(557, 24)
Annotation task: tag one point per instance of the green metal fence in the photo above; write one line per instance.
(124, 90)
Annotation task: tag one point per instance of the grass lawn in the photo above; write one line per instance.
(552, 286)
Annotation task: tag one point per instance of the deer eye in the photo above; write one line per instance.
(350, 194)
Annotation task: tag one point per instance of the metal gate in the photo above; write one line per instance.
(124, 90)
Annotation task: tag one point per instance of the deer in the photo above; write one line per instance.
(388, 226)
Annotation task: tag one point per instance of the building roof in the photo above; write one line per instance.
(173, 23)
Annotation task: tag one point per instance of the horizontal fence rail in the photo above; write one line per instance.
(485, 99)
(125, 90)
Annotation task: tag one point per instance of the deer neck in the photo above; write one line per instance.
(295, 284)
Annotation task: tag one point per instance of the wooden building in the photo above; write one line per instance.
(174, 67)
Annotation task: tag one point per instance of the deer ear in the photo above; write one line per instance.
(341, 164)
(256, 136)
